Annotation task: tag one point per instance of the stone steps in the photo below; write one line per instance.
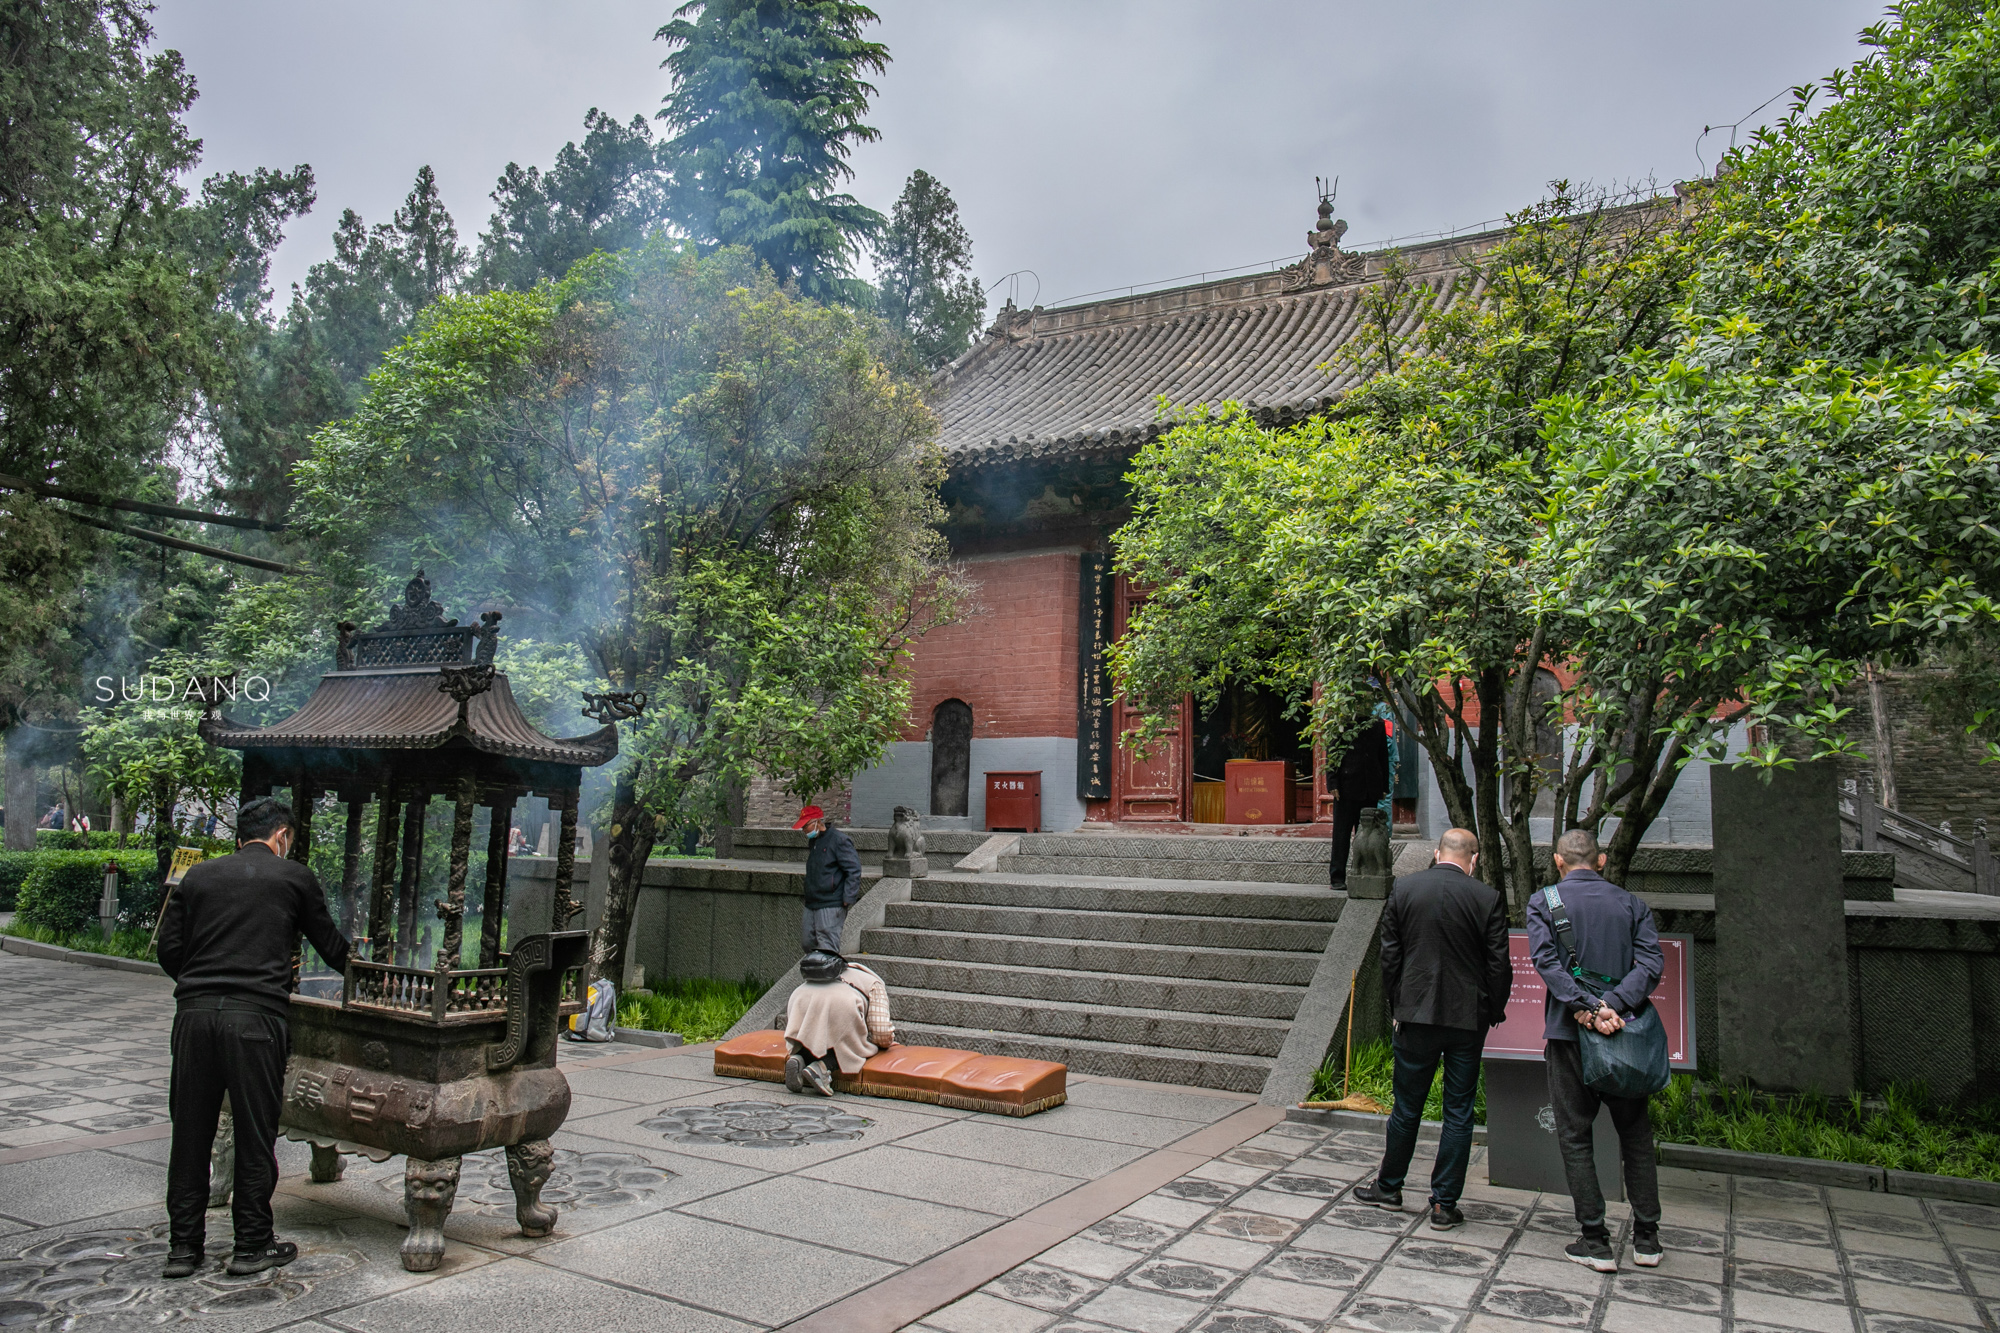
(1158, 1064)
(1273, 966)
(1110, 1024)
(1158, 929)
(1243, 999)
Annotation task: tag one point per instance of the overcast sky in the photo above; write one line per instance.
(1099, 143)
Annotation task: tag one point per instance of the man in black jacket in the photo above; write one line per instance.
(833, 881)
(226, 938)
(1445, 975)
(1361, 780)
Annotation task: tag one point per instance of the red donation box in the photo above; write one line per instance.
(1257, 791)
(1014, 802)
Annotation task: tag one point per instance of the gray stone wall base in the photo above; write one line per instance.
(866, 914)
(642, 1037)
(35, 949)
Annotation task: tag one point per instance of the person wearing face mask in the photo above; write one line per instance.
(833, 881)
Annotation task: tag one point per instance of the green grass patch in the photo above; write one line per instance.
(123, 944)
(1374, 1073)
(1905, 1131)
(699, 1008)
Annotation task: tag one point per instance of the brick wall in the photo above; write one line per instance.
(768, 805)
(1016, 663)
(1938, 774)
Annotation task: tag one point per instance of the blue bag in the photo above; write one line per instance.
(1631, 1062)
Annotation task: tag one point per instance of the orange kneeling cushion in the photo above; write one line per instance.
(912, 1073)
(1005, 1086)
(753, 1055)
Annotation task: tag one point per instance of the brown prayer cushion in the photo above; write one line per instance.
(1005, 1086)
(912, 1073)
(753, 1055)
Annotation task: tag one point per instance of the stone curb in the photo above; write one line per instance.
(35, 949)
(1429, 1129)
(644, 1037)
(1845, 1175)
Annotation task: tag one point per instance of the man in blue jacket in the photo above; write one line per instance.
(833, 881)
(1618, 951)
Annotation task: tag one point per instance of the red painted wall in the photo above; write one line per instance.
(1015, 664)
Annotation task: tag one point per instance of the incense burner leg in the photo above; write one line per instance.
(528, 1167)
(428, 1191)
(326, 1164)
(222, 1159)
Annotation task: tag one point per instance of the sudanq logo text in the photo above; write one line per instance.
(170, 689)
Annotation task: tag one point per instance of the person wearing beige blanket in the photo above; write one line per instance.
(838, 1017)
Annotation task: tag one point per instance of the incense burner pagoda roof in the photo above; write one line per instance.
(1086, 379)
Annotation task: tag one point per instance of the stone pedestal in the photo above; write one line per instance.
(1781, 930)
(905, 867)
(1521, 1148)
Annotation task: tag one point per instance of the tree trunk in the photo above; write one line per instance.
(1885, 751)
(20, 793)
(629, 843)
(163, 830)
(1486, 789)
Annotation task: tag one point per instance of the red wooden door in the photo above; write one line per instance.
(1148, 784)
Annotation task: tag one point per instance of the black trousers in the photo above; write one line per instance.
(1575, 1104)
(1346, 814)
(234, 1047)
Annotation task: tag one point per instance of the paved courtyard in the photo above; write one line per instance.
(691, 1203)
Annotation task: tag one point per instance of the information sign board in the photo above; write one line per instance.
(1520, 1036)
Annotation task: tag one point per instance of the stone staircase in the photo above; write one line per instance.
(1176, 959)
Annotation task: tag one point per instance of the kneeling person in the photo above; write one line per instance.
(834, 1022)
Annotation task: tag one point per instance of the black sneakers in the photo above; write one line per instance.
(1646, 1251)
(182, 1261)
(1445, 1216)
(1373, 1193)
(275, 1255)
(1592, 1252)
(795, 1073)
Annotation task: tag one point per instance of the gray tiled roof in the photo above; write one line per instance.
(1087, 377)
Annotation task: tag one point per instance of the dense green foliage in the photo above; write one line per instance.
(924, 284)
(1907, 1132)
(766, 108)
(1644, 472)
(14, 868)
(61, 890)
(716, 491)
(699, 1008)
(607, 193)
(122, 943)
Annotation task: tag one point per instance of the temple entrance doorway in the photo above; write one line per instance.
(1248, 722)
(951, 758)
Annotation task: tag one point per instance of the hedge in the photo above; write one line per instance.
(61, 889)
(14, 867)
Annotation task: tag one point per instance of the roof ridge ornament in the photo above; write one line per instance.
(1327, 263)
(1013, 323)
(418, 610)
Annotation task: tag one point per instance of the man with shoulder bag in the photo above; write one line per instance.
(1598, 952)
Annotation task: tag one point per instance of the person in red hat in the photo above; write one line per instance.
(833, 881)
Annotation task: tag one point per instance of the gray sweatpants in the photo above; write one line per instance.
(821, 927)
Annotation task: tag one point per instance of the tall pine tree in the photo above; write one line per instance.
(766, 108)
(607, 193)
(925, 287)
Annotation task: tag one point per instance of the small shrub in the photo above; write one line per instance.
(61, 889)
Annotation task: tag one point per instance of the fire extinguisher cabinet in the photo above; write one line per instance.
(1014, 802)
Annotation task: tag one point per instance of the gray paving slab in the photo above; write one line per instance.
(751, 1275)
(75, 1186)
(985, 1186)
(988, 1140)
(843, 1217)
(1110, 1126)
(520, 1293)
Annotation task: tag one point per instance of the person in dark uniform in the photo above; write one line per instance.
(226, 938)
(1361, 780)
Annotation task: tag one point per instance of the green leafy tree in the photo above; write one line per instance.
(715, 490)
(146, 752)
(607, 193)
(924, 283)
(766, 108)
(123, 295)
(1808, 481)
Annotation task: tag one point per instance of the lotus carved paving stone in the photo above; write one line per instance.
(1200, 1191)
(1233, 1322)
(1323, 1269)
(1129, 1232)
(758, 1124)
(1668, 1291)
(1442, 1258)
(1386, 1316)
(1694, 1242)
(1969, 1214)
(1045, 1288)
(576, 1180)
(1771, 1229)
(1182, 1277)
(1885, 1223)
(1908, 1272)
(110, 1281)
(1319, 1186)
(1538, 1303)
(1788, 1281)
